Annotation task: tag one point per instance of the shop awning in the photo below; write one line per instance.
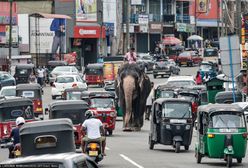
(49, 16)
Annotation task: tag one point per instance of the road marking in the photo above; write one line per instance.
(131, 161)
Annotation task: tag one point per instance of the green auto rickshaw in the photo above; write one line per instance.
(222, 133)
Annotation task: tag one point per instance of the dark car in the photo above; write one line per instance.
(161, 68)
(6, 79)
(146, 60)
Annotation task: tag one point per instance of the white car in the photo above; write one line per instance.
(63, 82)
(181, 81)
(244, 106)
(8, 91)
(62, 70)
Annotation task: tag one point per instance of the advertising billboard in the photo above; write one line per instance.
(47, 35)
(86, 10)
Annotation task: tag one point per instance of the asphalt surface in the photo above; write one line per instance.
(131, 150)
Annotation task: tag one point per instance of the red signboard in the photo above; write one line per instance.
(89, 32)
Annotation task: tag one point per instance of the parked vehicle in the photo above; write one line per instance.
(10, 109)
(181, 81)
(63, 82)
(103, 105)
(171, 123)
(173, 67)
(244, 106)
(73, 93)
(189, 58)
(22, 73)
(161, 68)
(227, 97)
(62, 70)
(94, 74)
(73, 110)
(211, 54)
(146, 60)
(34, 92)
(222, 133)
(6, 79)
(208, 67)
(8, 91)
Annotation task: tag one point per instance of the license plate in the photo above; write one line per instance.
(183, 62)
(161, 73)
(93, 153)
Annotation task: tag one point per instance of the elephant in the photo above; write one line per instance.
(132, 88)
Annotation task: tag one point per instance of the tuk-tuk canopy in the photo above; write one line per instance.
(24, 66)
(227, 97)
(90, 94)
(27, 86)
(15, 101)
(68, 105)
(212, 108)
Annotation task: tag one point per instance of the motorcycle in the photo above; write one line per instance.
(94, 150)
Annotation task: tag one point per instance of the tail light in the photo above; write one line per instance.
(93, 146)
(194, 106)
(245, 135)
(74, 85)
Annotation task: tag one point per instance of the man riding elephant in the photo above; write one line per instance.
(132, 89)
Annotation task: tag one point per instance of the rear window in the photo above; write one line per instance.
(93, 71)
(11, 113)
(210, 53)
(65, 79)
(8, 92)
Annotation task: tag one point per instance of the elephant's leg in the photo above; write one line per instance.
(128, 88)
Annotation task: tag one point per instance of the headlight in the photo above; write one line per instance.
(5, 132)
(167, 127)
(187, 127)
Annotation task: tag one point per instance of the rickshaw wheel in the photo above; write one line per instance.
(186, 147)
(53, 97)
(229, 160)
(177, 147)
(239, 160)
(198, 157)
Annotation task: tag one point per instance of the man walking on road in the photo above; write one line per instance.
(41, 75)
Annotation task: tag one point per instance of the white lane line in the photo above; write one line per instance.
(131, 161)
(107, 148)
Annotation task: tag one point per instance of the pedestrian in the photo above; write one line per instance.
(198, 78)
(149, 102)
(32, 78)
(40, 75)
(131, 56)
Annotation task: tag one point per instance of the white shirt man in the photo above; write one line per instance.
(40, 73)
(92, 126)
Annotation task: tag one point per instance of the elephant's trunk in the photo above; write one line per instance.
(128, 89)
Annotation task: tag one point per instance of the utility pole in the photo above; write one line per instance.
(10, 34)
(128, 7)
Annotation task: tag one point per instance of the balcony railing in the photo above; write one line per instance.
(183, 18)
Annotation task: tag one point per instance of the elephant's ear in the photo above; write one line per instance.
(141, 81)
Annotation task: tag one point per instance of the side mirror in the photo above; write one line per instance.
(46, 111)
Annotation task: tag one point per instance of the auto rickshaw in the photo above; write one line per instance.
(227, 97)
(94, 74)
(73, 93)
(72, 109)
(10, 109)
(50, 136)
(171, 123)
(221, 133)
(34, 92)
(165, 91)
(22, 72)
(103, 105)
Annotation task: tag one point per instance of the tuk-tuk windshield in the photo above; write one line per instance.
(205, 67)
(76, 116)
(93, 71)
(166, 94)
(11, 113)
(73, 95)
(228, 120)
(181, 83)
(191, 98)
(101, 102)
(176, 110)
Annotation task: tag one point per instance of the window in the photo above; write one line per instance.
(228, 120)
(167, 6)
(176, 110)
(65, 80)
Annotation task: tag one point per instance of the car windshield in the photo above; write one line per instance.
(64, 80)
(181, 83)
(11, 113)
(205, 67)
(73, 95)
(101, 102)
(176, 110)
(211, 53)
(76, 116)
(166, 94)
(62, 69)
(8, 92)
(228, 120)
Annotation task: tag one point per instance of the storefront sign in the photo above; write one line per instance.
(181, 27)
(131, 28)
(143, 19)
(14, 34)
(155, 27)
(143, 28)
(89, 32)
(86, 11)
(110, 27)
(6, 20)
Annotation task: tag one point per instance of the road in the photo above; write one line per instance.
(130, 149)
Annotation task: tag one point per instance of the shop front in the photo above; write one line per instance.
(87, 41)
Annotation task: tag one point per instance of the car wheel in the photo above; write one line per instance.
(177, 147)
(53, 97)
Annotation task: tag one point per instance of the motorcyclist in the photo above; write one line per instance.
(15, 135)
(94, 130)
